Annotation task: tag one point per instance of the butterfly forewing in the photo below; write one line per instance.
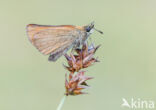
(52, 39)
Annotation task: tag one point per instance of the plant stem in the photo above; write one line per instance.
(61, 103)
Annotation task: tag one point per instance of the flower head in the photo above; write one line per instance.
(83, 58)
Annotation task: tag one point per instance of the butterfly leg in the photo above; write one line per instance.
(76, 46)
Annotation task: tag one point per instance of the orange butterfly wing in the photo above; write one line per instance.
(52, 39)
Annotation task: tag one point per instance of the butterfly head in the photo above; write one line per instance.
(90, 28)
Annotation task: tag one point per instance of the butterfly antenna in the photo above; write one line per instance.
(99, 31)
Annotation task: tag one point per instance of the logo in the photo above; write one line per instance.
(138, 104)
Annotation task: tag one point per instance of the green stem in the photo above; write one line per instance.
(61, 103)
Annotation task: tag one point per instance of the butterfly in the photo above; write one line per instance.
(56, 40)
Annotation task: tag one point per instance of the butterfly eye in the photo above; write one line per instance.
(88, 29)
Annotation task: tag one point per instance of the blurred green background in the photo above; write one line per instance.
(127, 56)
